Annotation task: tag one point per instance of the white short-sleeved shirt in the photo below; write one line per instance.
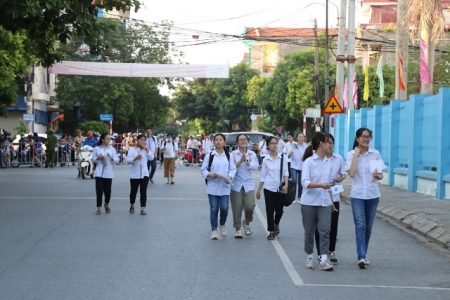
(170, 149)
(317, 171)
(364, 186)
(270, 172)
(337, 168)
(297, 157)
(286, 150)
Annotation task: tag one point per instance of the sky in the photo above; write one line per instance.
(210, 18)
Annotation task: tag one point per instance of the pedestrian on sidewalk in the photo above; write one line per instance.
(270, 180)
(138, 157)
(218, 172)
(152, 145)
(316, 199)
(364, 194)
(104, 155)
(338, 174)
(170, 149)
(298, 149)
(242, 195)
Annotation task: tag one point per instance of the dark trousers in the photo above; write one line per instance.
(194, 156)
(50, 157)
(135, 184)
(151, 166)
(289, 169)
(333, 230)
(274, 205)
(103, 186)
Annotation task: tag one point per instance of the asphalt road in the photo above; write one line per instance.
(53, 246)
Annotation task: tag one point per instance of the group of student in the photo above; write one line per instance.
(316, 169)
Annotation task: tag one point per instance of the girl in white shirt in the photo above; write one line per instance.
(242, 195)
(104, 155)
(270, 179)
(287, 151)
(217, 188)
(139, 177)
(316, 199)
(298, 150)
(170, 149)
(364, 194)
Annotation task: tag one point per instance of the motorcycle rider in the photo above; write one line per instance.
(88, 141)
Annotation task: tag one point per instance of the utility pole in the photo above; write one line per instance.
(316, 67)
(341, 53)
(402, 38)
(327, 67)
(351, 59)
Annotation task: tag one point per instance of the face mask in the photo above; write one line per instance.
(169, 140)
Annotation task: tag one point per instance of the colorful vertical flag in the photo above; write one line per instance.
(366, 83)
(355, 90)
(344, 95)
(380, 76)
(401, 79)
(424, 71)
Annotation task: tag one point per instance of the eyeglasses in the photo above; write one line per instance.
(273, 143)
(242, 140)
(366, 137)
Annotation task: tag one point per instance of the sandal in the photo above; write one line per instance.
(98, 212)
(131, 210)
(271, 236)
(107, 209)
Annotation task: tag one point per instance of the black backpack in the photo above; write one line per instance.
(173, 144)
(211, 158)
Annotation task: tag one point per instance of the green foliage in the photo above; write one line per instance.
(232, 99)
(390, 28)
(22, 128)
(374, 87)
(98, 126)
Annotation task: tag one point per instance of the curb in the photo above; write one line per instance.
(411, 220)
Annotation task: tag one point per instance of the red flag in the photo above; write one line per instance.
(401, 79)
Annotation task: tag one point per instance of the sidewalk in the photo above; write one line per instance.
(423, 214)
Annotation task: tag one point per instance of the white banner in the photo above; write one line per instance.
(139, 70)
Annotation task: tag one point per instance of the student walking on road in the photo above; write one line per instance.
(270, 180)
(138, 157)
(104, 155)
(218, 172)
(316, 200)
(364, 194)
(338, 174)
(297, 152)
(242, 195)
(152, 144)
(170, 149)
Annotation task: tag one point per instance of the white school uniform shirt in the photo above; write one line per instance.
(337, 168)
(286, 150)
(263, 151)
(104, 167)
(139, 167)
(297, 157)
(207, 146)
(170, 149)
(151, 144)
(220, 165)
(244, 176)
(270, 172)
(364, 186)
(281, 144)
(317, 171)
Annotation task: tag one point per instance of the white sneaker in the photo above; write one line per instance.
(238, 235)
(247, 229)
(362, 263)
(326, 265)
(367, 262)
(214, 235)
(299, 200)
(309, 263)
(223, 230)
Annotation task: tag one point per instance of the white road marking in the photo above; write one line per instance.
(379, 286)
(90, 198)
(280, 251)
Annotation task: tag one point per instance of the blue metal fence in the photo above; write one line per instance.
(412, 136)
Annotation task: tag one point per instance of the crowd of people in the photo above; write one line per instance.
(317, 172)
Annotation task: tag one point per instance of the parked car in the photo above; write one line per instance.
(254, 136)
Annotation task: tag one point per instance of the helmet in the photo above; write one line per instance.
(89, 133)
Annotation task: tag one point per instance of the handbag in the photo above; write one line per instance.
(289, 197)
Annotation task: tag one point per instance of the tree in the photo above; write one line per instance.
(428, 23)
(13, 62)
(132, 101)
(232, 97)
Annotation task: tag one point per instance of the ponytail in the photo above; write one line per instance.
(308, 152)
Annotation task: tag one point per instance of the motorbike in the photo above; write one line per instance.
(188, 157)
(85, 164)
